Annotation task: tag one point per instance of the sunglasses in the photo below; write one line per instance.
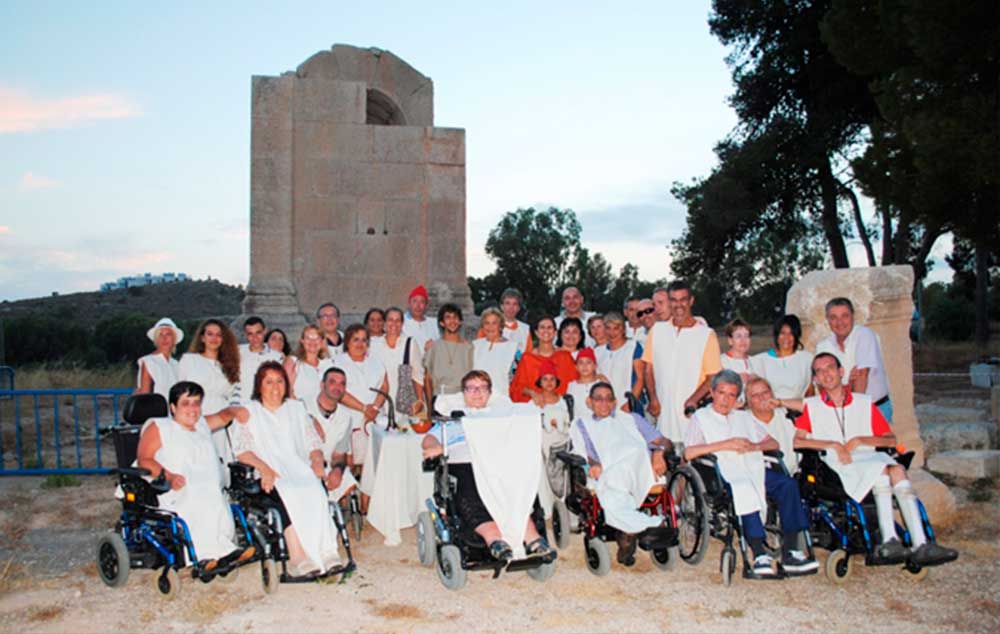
(643, 313)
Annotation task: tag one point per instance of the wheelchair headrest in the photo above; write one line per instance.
(141, 407)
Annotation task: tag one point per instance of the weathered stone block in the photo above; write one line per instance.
(330, 101)
(938, 499)
(966, 464)
(271, 96)
(946, 436)
(392, 144)
(938, 413)
(446, 146)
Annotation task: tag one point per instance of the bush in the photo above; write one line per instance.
(951, 319)
(122, 338)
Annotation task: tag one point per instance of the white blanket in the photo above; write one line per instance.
(505, 442)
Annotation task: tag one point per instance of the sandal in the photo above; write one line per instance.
(501, 551)
(538, 548)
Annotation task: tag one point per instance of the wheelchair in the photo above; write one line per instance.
(583, 503)
(844, 527)
(146, 536)
(723, 523)
(443, 537)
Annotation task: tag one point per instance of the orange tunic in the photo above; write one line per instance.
(528, 368)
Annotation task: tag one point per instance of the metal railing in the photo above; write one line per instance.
(57, 431)
(6, 380)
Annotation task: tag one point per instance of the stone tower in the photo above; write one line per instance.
(355, 196)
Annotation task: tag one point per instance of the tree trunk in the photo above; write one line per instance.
(919, 263)
(901, 246)
(831, 219)
(982, 293)
(859, 222)
(887, 237)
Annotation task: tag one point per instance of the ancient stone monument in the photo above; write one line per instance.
(882, 298)
(355, 196)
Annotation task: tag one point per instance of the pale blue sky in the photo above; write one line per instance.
(125, 128)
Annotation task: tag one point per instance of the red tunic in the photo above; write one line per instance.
(528, 368)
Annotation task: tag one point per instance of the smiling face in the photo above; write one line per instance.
(724, 397)
(393, 324)
(681, 302)
(334, 386)
(739, 342)
(546, 331)
(616, 332)
(598, 330)
(212, 338)
(476, 393)
(255, 336)
(329, 321)
(827, 372)
(357, 346)
(602, 402)
(572, 301)
(571, 337)
(548, 383)
(510, 307)
(451, 323)
(646, 313)
(786, 339)
(375, 325)
(417, 306)
(312, 342)
(630, 308)
(759, 396)
(276, 341)
(272, 389)
(841, 321)
(165, 340)
(585, 367)
(187, 410)
(491, 327)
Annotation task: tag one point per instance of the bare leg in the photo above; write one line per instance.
(296, 554)
(530, 532)
(489, 531)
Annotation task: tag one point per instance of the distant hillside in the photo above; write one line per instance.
(182, 301)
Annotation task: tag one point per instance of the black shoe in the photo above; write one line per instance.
(892, 551)
(500, 550)
(931, 554)
(626, 548)
(656, 537)
(796, 563)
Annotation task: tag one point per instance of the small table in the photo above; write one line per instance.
(394, 478)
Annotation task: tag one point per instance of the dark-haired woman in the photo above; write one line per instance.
(523, 387)
(213, 362)
(786, 366)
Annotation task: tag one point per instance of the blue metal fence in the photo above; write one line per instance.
(6, 380)
(45, 432)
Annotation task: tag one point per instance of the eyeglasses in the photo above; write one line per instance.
(476, 389)
(644, 312)
(603, 399)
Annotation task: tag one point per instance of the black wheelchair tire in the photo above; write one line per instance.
(449, 567)
(269, 578)
(560, 524)
(168, 583)
(693, 519)
(113, 560)
(727, 565)
(426, 539)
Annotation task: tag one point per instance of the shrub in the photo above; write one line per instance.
(951, 318)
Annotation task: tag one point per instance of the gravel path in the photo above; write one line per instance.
(49, 583)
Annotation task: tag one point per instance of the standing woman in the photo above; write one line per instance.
(597, 330)
(391, 351)
(158, 370)
(375, 324)
(523, 388)
(737, 357)
(213, 362)
(306, 367)
(278, 341)
(364, 371)
(621, 361)
(786, 366)
(492, 353)
(571, 337)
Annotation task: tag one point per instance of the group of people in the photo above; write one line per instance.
(302, 416)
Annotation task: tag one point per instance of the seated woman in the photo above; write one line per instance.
(625, 454)
(772, 417)
(272, 439)
(738, 444)
(181, 449)
(476, 389)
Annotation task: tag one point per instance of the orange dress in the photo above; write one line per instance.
(528, 368)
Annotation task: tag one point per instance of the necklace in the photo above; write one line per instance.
(840, 415)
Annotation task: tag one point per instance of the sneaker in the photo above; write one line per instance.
(763, 566)
(795, 562)
(626, 548)
(892, 551)
(500, 550)
(931, 554)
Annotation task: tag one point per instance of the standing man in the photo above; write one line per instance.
(252, 354)
(511, 303)
(631, 321)
(858, 350)
(415, 323)
(333, 426)
(572, 302)
(450, 358)
(661, 302)
(645, 313)
(681, 355)
(328, 320)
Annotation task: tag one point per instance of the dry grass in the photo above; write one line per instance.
(59, 376)
(398, 611)
(13, 575)
(42, 614)
(949, 356)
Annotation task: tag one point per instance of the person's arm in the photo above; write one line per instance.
(149, 444)
(290, 371)
(639, 370)
(711, 364)
(145, 380)
(739, 445)
(222, 418)
(351, 402)
(267, 474)
(788, 403)
(859, 380)
(804, 440)
(700, 392)
(766, 444)
(882, 435)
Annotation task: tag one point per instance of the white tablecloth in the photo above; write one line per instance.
(394, 479)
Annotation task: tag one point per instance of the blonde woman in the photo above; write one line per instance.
(306, 367)
(493, 353)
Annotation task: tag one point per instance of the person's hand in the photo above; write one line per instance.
(268, 476)
(852, 444)
(427, 346)
(853, 375)
(317, 468)
(554, 424)
(176, 480)
(843, 454)
(774, 403)
(241, 414)
(595, 471)
(654, 406)
(625, 407)
(333, 479)
(538, 399)
(659, 464)
(691, 403)
(435, 450)
(370, 412)
(740, 445)
(417, 408)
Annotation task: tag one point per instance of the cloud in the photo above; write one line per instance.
(33, 182)
(23, 112)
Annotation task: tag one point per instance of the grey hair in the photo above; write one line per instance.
(614, 316)
(727, 376)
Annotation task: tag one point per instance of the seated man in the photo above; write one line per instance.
(849, 427)
(625, 454)
(181, 449)
(738, 444)
(476, 388)
(332, 425)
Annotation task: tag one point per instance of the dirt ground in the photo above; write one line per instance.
(49, 583)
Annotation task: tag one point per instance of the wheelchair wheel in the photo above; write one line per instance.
(543, 573)
(269, 578)
(449, 567)
(917, 573)
(168, 583)
(728, 566)
(688, 493)
(426, 539)
(358, 522)
(598, 557)
(113, 560)
(666, 558)
(560, 524)
(838, 566)
(229, 577)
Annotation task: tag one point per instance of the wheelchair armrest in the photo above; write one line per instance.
(777, 454)
(431, 464)
(810, 452)
(672, 459)
(709, 459)
(571, 459)
(160, 484)
(130, 472)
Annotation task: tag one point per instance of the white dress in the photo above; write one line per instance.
(392, 358)
(219, 394)
(617, 366)
(362, 376)
(308, 378)
(162, 370)
(249, 362)
(789, 376)
(496, 359)
(200, 502)
(280, 439)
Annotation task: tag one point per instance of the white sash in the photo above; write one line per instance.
(743, 471)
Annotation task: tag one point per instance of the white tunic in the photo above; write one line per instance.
(392, 358)
(518, 332)
(789, 376)
(743, 471)
(219, 394)
(362, 375)
(840, 425)
(677, 355)
(308, 378)
(200, 502)
(279, 438)
(249, 362)
(617, 366)
(336, 438)
(421, 331)
(580, 393)
(163, 371)
(496, 359)
(782, 430)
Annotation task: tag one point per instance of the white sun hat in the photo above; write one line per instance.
(165, 322)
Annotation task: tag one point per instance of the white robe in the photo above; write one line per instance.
(617, 366)
(200, 502)
(219, 394)
(279, 439)
(336, 428)
(867, 464)
(743, 471)
(163, 371)
(626, 472)
(677, 355)
(307, 379)
(249, 362)
(504, 443)
(783, 431)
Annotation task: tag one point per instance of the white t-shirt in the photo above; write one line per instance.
(362, 376)
(861, 350)
(789, 376)
(421, 331)
(249, 362)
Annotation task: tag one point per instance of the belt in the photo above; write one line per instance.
(882, 401)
